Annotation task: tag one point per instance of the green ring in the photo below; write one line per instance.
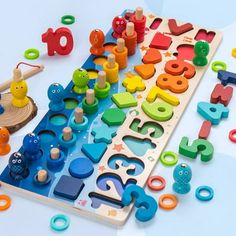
(171, 162)
(67, 19)
(216, 64)
(64, 226)
(31, 53)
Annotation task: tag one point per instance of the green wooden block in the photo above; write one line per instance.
(124, 100)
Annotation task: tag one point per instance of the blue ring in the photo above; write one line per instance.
(64, 226)
(204, 198)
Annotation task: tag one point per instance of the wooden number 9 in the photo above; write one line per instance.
(176, 84)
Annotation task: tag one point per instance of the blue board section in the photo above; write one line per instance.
(50, 128)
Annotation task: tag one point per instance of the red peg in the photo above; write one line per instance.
(53, 40)
(97, 39)
(118, 26)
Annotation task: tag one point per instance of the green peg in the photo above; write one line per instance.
(201, 50)
(80, 80)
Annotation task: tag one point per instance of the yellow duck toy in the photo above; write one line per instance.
(19, 89)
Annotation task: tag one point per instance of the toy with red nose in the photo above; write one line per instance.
(118, 25)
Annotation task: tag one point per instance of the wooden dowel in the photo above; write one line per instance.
(79, 115)
(120, 45)
(67, 133)
(42, 176)
(90, 96)
(17, 75)
(101, 79)
(111, 60)
(130, 29)
(27, 74)
(55, 153)
(139, 13)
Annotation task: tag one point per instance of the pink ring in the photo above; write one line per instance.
(232, 135)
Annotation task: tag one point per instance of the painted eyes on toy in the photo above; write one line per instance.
(186, 172)
(22, 87)
(35, 141)
(181, 172)
(14, 161)
(16, 87)
(58, 90)
(53, 91)
(19, 161)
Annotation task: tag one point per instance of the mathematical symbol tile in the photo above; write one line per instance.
(133, 84)
(113, 116)
(94, 151)
(81, 168)
(68, 187)
(103, 133)
(124, 100)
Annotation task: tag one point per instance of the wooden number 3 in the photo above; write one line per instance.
(147, 206)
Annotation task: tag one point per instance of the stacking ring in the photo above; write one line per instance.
(7, 201)
(57, 227)
(156, 178)
(204, 198)
(168, 197)
(68, 20)
(31, 54)
(218, 65)
(172, 162)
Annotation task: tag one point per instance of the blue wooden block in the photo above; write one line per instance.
(81, 168)
(103, 133)
(94, 151)
(212, 112)
(68, 187)
(226, 77)
(147, 205)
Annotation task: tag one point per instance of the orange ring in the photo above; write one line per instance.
(156, 178)
(168, 206)
(7, 199)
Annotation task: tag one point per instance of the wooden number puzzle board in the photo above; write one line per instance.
(125, 161)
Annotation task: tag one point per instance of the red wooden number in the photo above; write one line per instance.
(53, 40)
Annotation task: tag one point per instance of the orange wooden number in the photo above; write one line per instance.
(180, 67)
(176, 84)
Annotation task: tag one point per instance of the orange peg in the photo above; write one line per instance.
(121, 53)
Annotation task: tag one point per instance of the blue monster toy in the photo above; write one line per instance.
(18, 166)
(31, 146)
(56, 96)
(182, 175)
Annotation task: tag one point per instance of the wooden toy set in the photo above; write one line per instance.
(104, 133)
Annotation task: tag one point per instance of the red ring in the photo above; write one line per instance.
(232, 134)
(154, 187)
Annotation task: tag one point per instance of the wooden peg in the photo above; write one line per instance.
(120, 45)
(79, 115)
(90, 96)
(67, 133)
(42, 176)
(130, 29)
(139, 13)
(55, 153)
(111, 60)
(17, 75)
(101, 79)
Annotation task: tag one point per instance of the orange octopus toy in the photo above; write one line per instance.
(5, 148)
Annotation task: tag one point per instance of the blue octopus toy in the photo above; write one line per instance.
(182, 175)
(56, 96)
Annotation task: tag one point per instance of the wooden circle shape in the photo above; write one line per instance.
(155, 187)
(168, 206)
(15, 118)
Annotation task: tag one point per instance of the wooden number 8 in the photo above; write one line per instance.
(176, 84)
